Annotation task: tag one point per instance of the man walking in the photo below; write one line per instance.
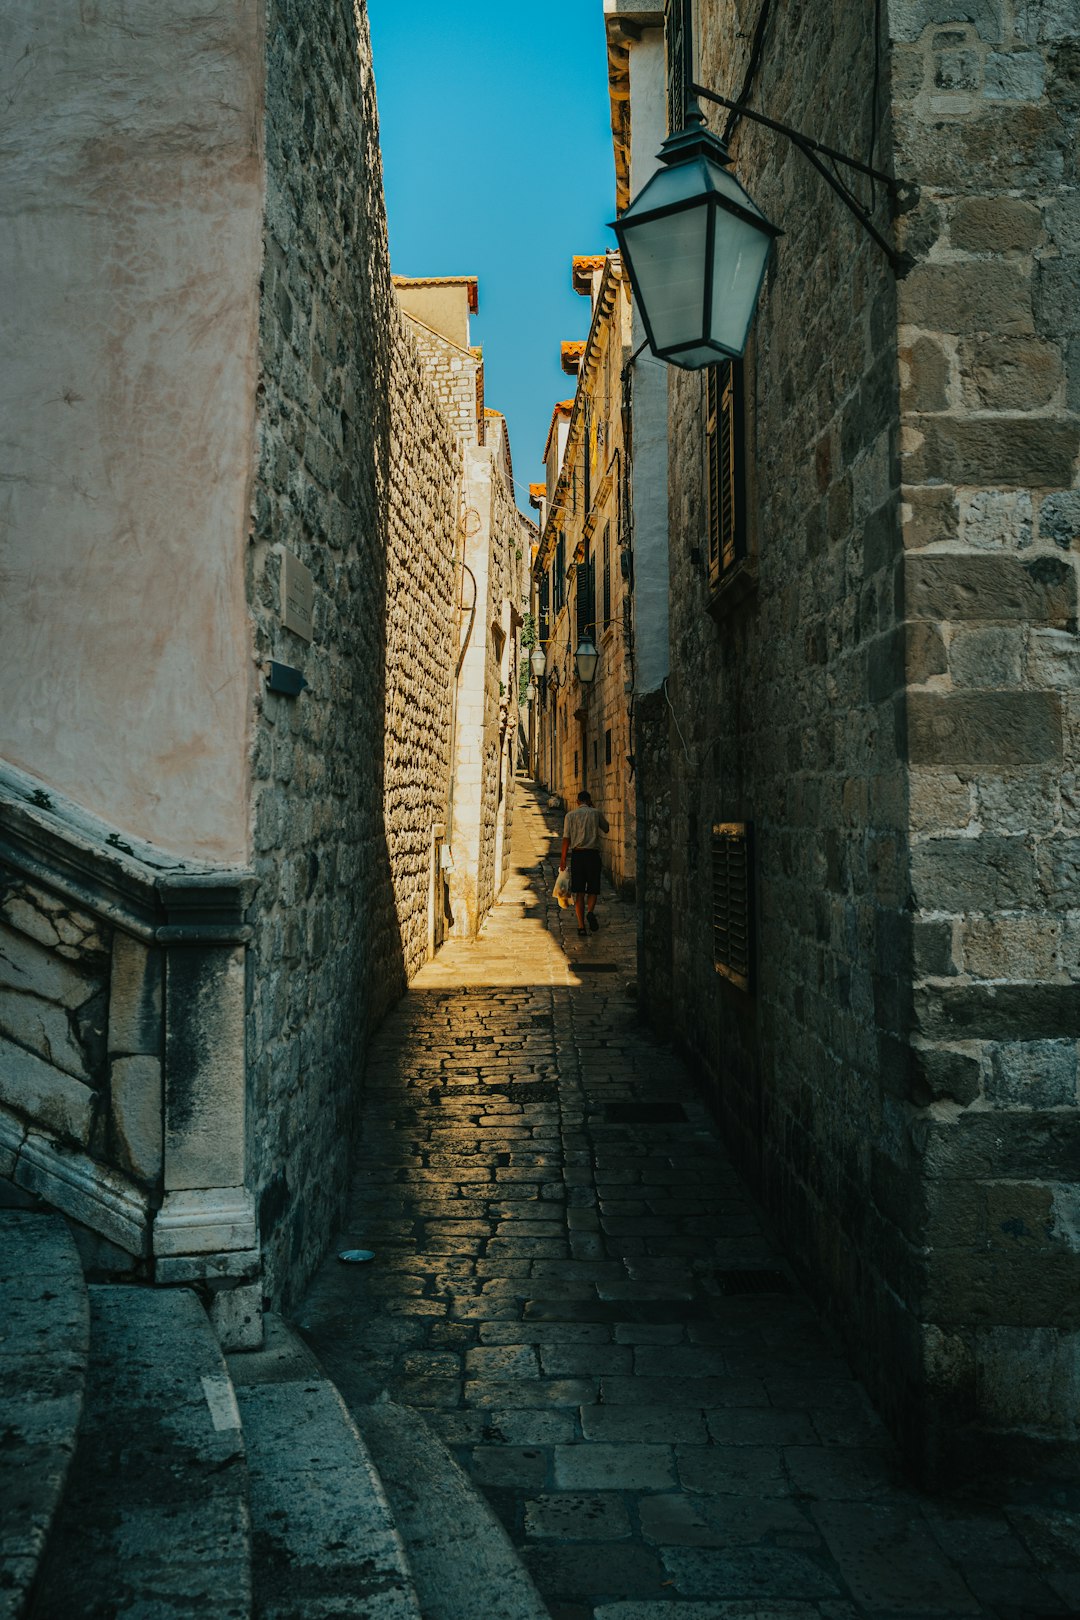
(581, 841)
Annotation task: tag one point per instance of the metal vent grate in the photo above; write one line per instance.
(753, 1282)
(644, 1113)
(731, 887)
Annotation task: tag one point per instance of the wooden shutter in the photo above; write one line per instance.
(723, 468)
(675, 56)
(732, 879)
(586, 610)
(543, 629)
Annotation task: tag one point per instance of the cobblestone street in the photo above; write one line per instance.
(572, 1286)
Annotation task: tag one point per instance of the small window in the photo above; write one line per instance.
(725, 497)
(731, 897)
(607, 747)
(675, 59)
(543, 630)
(586, 606)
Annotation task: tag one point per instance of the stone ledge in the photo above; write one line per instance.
(124, 880)
(89, 1192)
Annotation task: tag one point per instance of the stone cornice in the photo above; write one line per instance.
(156, 897)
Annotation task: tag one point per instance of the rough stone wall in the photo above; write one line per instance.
(423, 496)
(357, 475)
(54, 995)
(780, 718)
(987, 119)
(81, 1046)
(452, 375)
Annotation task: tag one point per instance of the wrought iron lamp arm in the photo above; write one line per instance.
(901, 262)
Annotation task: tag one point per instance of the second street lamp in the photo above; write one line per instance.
(586, 659)
(538, 662)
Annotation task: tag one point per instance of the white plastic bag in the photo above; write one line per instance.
(561, 890)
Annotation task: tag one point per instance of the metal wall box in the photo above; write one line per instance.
(284, 680)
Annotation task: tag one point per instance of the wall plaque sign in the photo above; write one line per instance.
(297, 596)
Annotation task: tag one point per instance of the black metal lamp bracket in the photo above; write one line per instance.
(813, 151)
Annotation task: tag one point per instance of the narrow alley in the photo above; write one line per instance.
(573, 1288)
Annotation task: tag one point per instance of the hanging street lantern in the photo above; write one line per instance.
(530, 693)
(695, 246)
(538, 662)
(586, 659)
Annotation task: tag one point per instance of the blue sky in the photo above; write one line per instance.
(497, 159)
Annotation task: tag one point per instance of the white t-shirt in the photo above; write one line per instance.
(583, 827)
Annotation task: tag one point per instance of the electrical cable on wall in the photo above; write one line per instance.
(752, 67)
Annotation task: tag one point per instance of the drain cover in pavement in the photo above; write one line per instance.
(596, 967)
(644, 1113)
(752, 1282)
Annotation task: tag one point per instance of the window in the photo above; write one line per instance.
(607, 574)
(586, 596)
(543, 631)
(725, 497)
(607, 747)
(559, 582)
(675, 57)
(731, 897)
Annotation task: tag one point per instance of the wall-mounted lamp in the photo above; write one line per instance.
(695, 244)
(586, 659)
(530, 692)
(538, 662)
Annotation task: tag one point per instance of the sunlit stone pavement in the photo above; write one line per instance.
(572, 1286)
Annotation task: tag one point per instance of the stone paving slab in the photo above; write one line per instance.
(551, 1292)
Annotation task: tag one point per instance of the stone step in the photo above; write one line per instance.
(44, 1336)
(462, 1561)
(154, 1520)
(325, 1546)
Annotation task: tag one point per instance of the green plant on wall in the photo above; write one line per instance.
(529, 640)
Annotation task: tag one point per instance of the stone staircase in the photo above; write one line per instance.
(143, 1473)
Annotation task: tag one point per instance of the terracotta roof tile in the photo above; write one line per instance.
(582, 269)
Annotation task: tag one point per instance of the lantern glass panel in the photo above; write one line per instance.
(740, 252)
(668, 256)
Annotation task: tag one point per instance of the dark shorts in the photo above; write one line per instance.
(585, 871)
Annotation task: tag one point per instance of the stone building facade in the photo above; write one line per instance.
(582, 577)
(867, 814)
(220, 829)
(494, 555)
